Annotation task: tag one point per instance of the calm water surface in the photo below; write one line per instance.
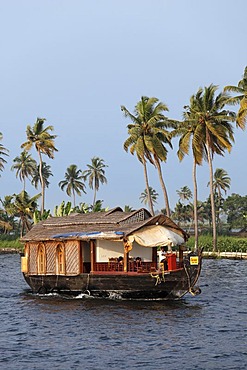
(53, 332)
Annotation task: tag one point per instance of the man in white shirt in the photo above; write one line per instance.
(162, 257)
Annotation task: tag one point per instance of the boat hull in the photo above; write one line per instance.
(155, 285)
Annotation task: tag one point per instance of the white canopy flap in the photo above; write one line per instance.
(156, 235)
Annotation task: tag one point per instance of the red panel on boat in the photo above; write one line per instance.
(171, 261)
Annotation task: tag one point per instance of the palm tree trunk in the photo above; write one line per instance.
(150, 203)
(94, 197)
(73, 190)
(157, 163)
(42, 183)
(195, 205)
(212, 197)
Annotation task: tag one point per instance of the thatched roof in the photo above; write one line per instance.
(114, 224)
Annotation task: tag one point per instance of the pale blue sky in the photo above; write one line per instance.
(76, 62)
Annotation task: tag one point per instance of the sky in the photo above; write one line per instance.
(76, 62)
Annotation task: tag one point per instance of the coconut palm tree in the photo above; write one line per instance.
(73, 182)
(148, 134)
(6, 222)
(184, 193)
(187, 130)
(240, 98)
(36, 180)
(221, 181)
(23, 207)
(95, 175)
(3, 152)
(40, 137)
(135, 142)
(144, 196)
(182, 212)
(212, 132)
(25, 166)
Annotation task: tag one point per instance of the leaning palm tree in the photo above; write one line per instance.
(40, 137)
(95, 175)
(213, 132)
(3, 152)
(241, 99)
(25, 166)
(221, 181)
(144, 196)
(149, 130)
(73, 182)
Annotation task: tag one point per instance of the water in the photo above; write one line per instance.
(53, 332)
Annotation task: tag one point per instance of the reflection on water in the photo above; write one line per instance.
(61, 332)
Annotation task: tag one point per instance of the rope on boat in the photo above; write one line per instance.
(159, 277)
(192, 291)
(87, 291)
(188, 278)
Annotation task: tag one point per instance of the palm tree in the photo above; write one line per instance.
(184, 193)
(23, 207)
(189, 136)
(221, 181)
(241, 99)
(135, 142)
(40, 137)
(6, 222)
(73, 182)
(95, 175)
(3, 152)
(144, 196)
(46, 173)
(148, 135)
(212, 132)
(25, 166)
(182, 212)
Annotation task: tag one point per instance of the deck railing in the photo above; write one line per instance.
(118, 267)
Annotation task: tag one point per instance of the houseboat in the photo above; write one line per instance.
(110, 254)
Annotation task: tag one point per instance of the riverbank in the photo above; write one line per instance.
(9, 251)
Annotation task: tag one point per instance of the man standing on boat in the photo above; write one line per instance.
(162, 258)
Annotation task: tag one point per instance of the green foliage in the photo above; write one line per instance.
(10, 242)
(224, 243)
(63, 209)
(235, 207)
(37, 216)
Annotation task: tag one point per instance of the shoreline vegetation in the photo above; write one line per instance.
(227, 246)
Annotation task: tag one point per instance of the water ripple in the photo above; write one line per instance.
(60, 332)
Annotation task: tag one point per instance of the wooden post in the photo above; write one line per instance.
(181, 254)
(126, 260)
(92, 254)
(154, 255)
